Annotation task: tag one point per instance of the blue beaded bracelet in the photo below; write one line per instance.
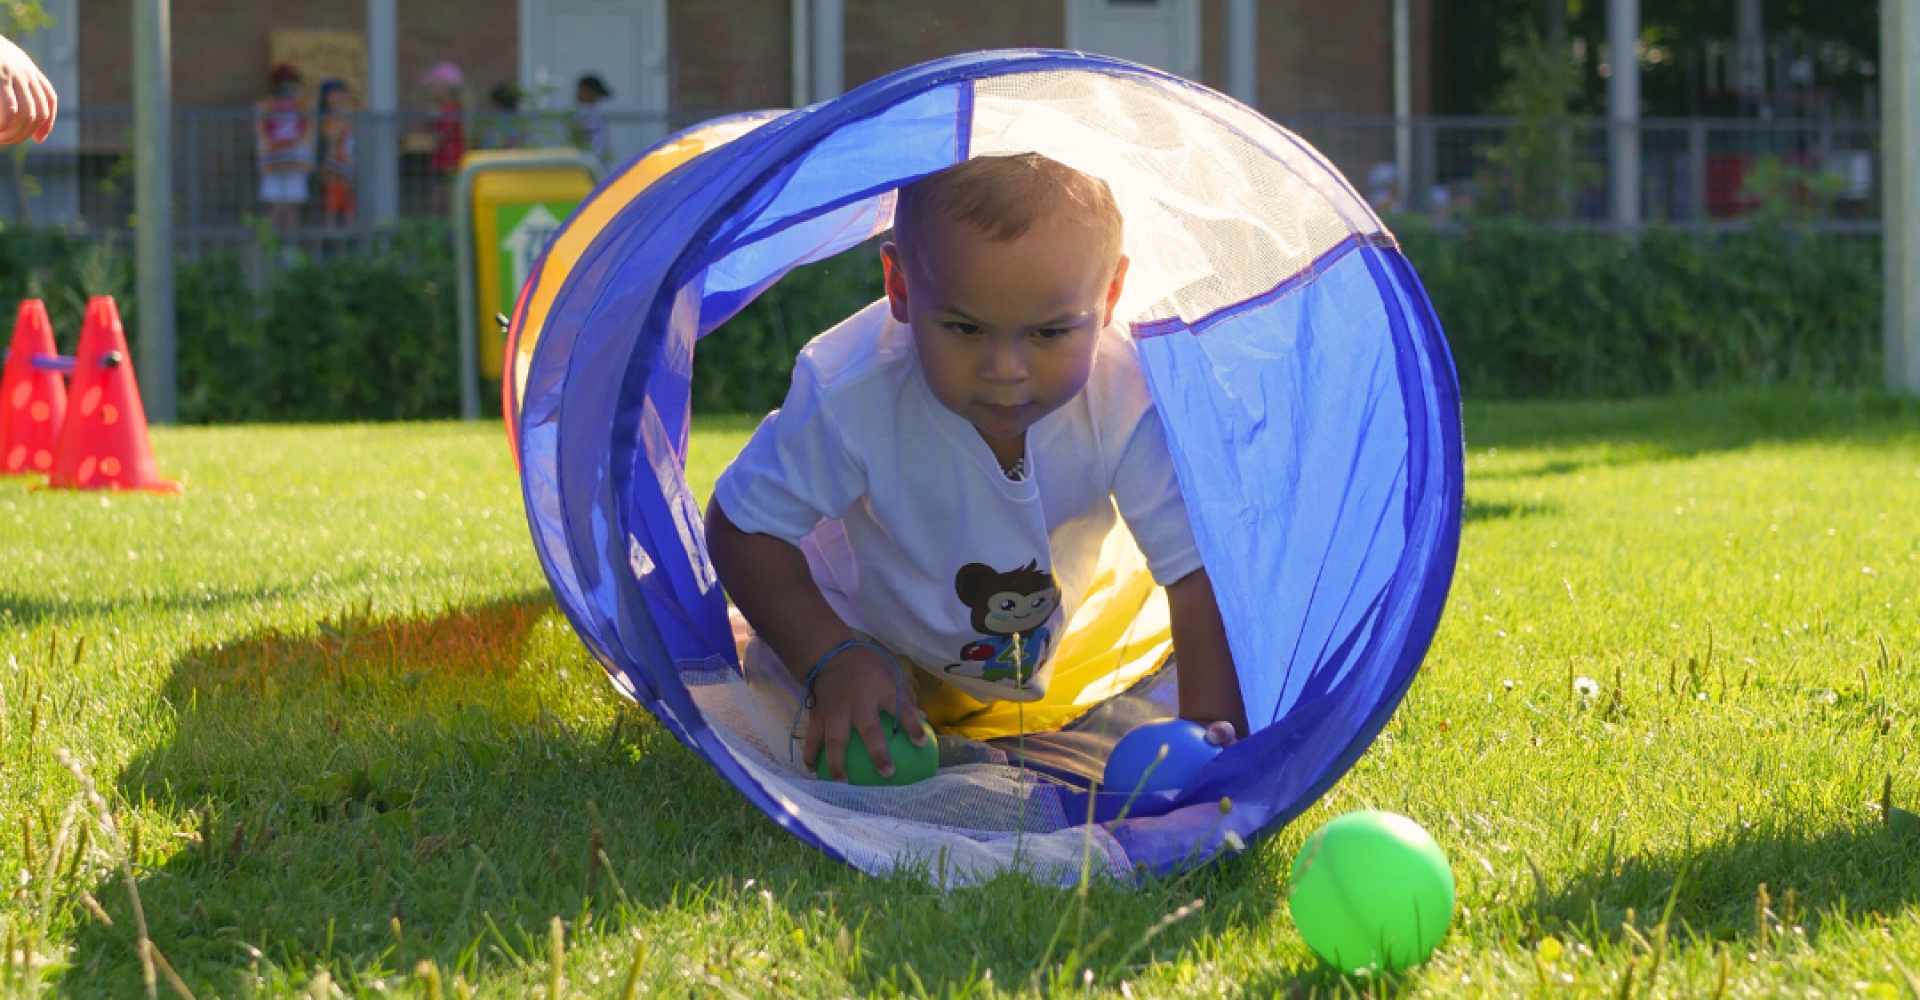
(899, 678)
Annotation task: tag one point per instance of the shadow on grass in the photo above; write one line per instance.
(1680, 426)
(1497, 510)
(1810, 877)
(30, 611)
(383, 792)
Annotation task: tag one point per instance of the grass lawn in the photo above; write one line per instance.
(343, 733)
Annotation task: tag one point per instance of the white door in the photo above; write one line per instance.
(1164, 34)
(623, 42)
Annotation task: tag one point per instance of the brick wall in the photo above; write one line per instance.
(886, 35)
(106, 54)
(482, 37)
(732, 56)
(1317, 56)
(220, 47)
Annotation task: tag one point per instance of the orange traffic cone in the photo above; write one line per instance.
(33, 400)
(104, 445)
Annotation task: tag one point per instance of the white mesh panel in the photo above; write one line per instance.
(1212, 219)
(964, 825)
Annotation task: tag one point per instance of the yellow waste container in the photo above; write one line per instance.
(516, 207)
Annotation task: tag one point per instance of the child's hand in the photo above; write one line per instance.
(27, 101)
(1222, 735)
(849, 696)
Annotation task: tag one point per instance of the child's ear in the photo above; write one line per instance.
(1114, 288)
(896, 278)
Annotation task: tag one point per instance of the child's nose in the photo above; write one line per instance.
(1005, 363)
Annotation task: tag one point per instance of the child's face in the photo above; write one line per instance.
(1005, 331)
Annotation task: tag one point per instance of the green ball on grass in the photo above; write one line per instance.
(1371, 890)
(910, 763)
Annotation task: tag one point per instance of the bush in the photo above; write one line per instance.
(1532, 312)
(744, 366)
(1538, 313)
(356, 337)
(366, 336)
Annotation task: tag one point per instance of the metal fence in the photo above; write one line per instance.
(1696, 173)
(81, 179)
(1706, 173)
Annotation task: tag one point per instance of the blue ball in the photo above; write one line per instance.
(1187, 752)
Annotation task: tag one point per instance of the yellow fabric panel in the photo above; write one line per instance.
(594, 216)
(1121, 634)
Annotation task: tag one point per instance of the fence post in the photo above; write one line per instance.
(1697, 172)
(153, 206)
(1426, 174)
(1899, 206)
(1623, 112)
(192, 156)
(381, 151)
(1243, 59)
(829, 28)
(1403, 103)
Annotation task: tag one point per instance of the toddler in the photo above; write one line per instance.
(336, 157)
(283, 144)
(934, 494)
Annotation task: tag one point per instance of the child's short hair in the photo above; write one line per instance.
(1003, 196)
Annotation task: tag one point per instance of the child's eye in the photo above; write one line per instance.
(1052, 332)
(964, 329)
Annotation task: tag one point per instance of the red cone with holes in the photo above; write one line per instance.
(104, 444)
(33, 401)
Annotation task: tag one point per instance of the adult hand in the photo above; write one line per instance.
(28, 104)
(848, 697)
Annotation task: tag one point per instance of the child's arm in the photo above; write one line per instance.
(28, 104)
(769, 581)
(1209, 687)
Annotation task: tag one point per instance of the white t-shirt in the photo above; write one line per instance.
(915, 535)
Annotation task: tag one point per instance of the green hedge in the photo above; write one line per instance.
(1538, 313)
(359, 337)
(743, 367)
(366, 336)
(1532, 312)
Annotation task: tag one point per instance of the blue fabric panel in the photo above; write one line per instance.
(828, 200)
(741, 276)
(915, 136)
(1286, 428)
(1279, 771)
(683, 596)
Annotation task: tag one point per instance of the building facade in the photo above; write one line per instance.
(715, 56)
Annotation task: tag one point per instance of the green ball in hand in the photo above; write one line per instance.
(910, 763)
(1371, 890)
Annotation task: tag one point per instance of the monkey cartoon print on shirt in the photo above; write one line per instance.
(1013, 609)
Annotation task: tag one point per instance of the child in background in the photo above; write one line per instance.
(590, 128)
(936, 490)
(336, 154)
(283, 143)
(503, 128)
(443, 83)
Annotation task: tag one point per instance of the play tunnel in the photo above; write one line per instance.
(1297, 368)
